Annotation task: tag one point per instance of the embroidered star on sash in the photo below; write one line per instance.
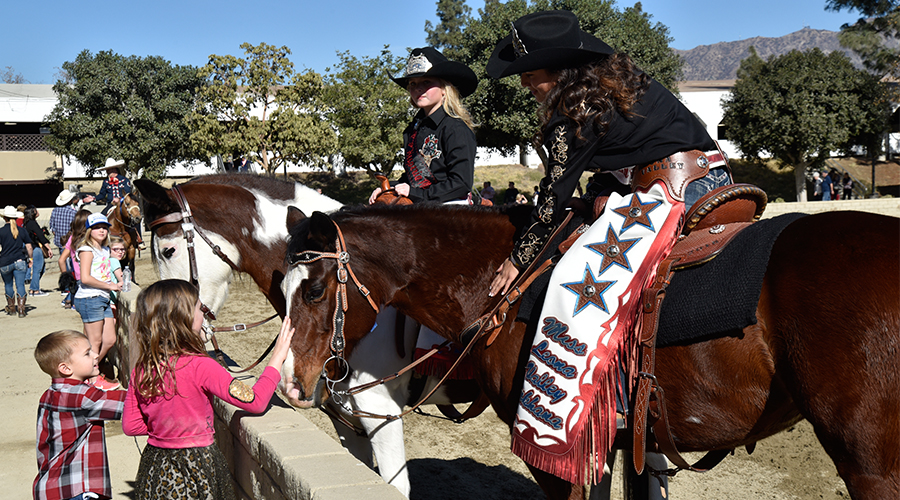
(589, 291)
(613, 251)
(637, 213)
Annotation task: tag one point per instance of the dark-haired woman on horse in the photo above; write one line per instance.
(599, 112)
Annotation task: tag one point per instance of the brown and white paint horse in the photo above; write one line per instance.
(825, 347)
(245, 215)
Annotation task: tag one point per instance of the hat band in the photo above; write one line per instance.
(518, 45)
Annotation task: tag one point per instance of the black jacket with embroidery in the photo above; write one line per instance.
(438, 158)
(660, 126)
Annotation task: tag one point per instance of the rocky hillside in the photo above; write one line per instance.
(720, 61)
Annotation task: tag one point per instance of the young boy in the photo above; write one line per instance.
(71, 439)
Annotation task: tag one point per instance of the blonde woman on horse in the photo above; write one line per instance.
(439, 144)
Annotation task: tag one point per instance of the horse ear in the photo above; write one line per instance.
(155, 198)
(322, 231)
(294, 216)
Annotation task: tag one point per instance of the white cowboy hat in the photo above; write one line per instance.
(112, 163)
(64, 198)
(10, 212)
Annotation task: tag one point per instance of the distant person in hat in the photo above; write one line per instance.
(115, 186)
(439, 144)
(15, 252)
(599, 112)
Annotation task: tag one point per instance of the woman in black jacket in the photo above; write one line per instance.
(42, 251)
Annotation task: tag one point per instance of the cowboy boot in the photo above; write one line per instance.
(21, 306)
(10, 305)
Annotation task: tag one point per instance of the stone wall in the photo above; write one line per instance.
(280, 455)
(884, 206)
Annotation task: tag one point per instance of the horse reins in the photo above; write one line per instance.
(188, 228)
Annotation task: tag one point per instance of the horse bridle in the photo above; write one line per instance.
(188, 228)
(128, 212)
(338, 344)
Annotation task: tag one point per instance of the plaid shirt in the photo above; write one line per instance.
(61, 223)
(71, 441)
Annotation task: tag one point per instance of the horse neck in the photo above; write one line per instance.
(436, 271)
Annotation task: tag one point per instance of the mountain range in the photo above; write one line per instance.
(720, 61)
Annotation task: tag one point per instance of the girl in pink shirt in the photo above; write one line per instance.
(170, 395)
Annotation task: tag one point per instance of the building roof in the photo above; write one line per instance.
(25, 103)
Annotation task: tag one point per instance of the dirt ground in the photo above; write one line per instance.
(471, 460)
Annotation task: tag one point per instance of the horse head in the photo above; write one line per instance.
(322, 288)
(130, 207)
(432, 263)
(169, 249)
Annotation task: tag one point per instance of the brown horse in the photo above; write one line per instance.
(124, 218)
(825, 346)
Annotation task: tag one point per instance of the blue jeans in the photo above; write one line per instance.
(715, 178)
(36, 270)
(14, 272)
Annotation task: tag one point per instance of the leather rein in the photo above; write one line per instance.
(491, 321)
(188, 228)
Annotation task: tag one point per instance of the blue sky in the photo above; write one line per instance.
(39, 37)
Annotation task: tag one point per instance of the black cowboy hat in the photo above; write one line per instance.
(545, 40)
(427, 61)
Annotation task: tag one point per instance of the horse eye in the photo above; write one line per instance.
(167, 253)
(315, 293)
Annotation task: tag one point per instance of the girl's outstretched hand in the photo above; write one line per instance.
(282, 344)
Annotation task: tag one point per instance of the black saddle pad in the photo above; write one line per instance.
(704, 301)
(720, 295)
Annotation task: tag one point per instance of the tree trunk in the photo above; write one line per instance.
(523, 155)
(800, 179)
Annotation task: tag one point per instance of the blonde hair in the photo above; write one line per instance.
(55, 348)
(13, 228)
(453, 105)
(161, 332)
(116, 240)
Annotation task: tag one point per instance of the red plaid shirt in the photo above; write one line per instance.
(71, 441)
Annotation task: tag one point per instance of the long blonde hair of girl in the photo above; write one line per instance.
(453, 105)
(161, 333)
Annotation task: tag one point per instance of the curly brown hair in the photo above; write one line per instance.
(589, 93)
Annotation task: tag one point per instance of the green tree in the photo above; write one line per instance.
(506, 111)
(124, 107)
(798, 108)
(448, 36)
(369, 111)
(259, 105)
(868, 37)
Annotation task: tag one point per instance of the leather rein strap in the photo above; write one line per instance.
(188, 228)
(650, 400)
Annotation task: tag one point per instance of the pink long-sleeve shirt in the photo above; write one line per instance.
(186, 420)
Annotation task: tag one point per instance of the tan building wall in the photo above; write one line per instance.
(27, 165)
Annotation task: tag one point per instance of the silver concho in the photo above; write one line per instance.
(417, 64)
(702, 161)
(634, 212)
(518, 46)
(612, 251)
(589, 291)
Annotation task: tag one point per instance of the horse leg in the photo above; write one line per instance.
(840, 339)
(374, 357)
